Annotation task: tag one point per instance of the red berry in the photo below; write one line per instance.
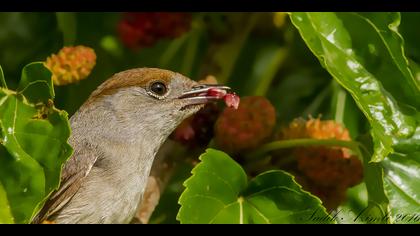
(247, 127)
(215, 92)
(232, 100)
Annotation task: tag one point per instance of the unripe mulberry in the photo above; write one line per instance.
(71, 64)
(142, 29)
(247, 127)
(316, 129)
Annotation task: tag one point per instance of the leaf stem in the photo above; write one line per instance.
(340, 103)
(278, 56)
(2, 80)
(234, 47)
(316, 103)
(353, 145)
(192, 45)
(190, 52)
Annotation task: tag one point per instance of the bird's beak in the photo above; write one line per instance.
(204, 93)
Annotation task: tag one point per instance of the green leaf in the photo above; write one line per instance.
(36, 83)
(401, 175)
(218, 192)
(344, 47)
(5, 214)
(386, 25)
(410, 34)
(2, 81)
(33, 144)
(393, 195)
(377, 208)
(365, 54)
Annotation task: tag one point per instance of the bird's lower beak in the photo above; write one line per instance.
(204, 93)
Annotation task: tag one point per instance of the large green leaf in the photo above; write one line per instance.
(401, 175)
(218, 192)
(365, 54)
(411, 37)
(369, 68)
(386, 26)
(377, 209)
(33, 144)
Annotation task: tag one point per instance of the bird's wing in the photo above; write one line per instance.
(74, 172)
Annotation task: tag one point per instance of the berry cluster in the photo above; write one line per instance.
(327, 171)
(71, 64)
(143, 29)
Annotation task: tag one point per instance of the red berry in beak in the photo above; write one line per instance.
(215, 92)
(232, 100)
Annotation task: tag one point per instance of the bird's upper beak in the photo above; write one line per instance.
(204, 93)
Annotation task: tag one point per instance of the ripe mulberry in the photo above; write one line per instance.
(247, 127)
(71, 64)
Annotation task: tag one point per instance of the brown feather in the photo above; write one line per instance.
(134, 77)
(74, 171)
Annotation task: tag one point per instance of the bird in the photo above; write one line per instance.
(115, 136)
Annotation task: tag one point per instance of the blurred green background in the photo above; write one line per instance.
(244, 50)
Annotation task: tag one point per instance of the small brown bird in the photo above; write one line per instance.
(115, 135)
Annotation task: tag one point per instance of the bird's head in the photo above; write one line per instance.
(150, 100)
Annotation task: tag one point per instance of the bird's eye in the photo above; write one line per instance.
(158, 88)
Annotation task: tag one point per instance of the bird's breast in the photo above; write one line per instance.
(112, 190)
